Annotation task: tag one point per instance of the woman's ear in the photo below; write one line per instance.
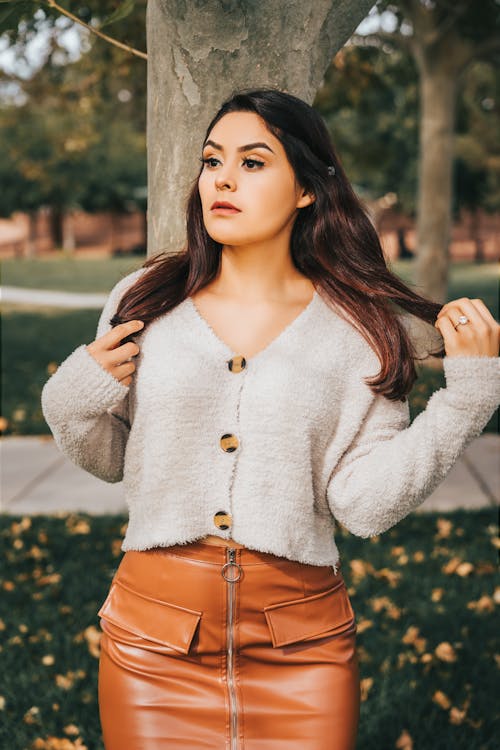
(305, 199)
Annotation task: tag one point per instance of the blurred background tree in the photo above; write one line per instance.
(74, 132)
(444, 38)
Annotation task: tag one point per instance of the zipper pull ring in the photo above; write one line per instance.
(232, 563)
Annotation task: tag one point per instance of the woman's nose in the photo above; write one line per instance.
(224, 178)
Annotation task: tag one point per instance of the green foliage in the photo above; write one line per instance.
(369, 100)
(123, 10)
(477, 140)
(21, 15)
(75, 134)
(13, 12)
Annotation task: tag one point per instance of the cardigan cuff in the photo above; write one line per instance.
(81, 388)
(474, 379)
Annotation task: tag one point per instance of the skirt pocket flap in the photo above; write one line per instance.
(309, 617)
(168, 624)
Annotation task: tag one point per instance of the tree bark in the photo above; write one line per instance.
(198, 54)
(56, 225)
(68, 239)
(437, 125)
(441, 56)
(30, 248)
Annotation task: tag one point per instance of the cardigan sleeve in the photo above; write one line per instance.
(392, 466)
(86, 407)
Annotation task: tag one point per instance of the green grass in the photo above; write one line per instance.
(429, 573)
(31, 343)
(34, 340)
(80, 274)
(77, 274)
(474, 280)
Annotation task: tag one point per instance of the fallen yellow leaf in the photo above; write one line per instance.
(71, 729)
(441, 699)
(391, 576)
(77, 526)
(484, 604)
(456, 715)
(445, 652)
(32, 715)
(404, 741)
(396, 551)
(451, 566)
(363, 624)
(365, 686)
(464, 569)
(444, 528)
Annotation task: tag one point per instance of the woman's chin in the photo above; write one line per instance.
(228, 238)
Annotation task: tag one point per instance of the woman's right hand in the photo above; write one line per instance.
(114, 357)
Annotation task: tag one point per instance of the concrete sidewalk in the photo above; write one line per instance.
(38, 479)
(75, 300)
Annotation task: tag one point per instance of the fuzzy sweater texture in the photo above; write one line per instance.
(315, 444)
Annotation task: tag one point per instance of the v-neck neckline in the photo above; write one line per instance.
(279, 337)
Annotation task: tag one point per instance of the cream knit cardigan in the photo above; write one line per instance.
(314, 443)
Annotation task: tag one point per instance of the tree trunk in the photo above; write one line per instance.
(30, 248)
(441, 57)
(475, 234)
(198, 54)
(113, 233)
(144, 224)
(56, 222)
(437, 125)
(68, 239)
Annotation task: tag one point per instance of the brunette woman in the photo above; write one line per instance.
(251, 390)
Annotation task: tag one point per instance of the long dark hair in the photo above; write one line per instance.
(333, 243)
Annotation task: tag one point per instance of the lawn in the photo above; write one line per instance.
(82, 274)
(35, 340)
(424, 594)
(78, 274)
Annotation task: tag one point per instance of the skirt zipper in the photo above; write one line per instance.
(231, 562)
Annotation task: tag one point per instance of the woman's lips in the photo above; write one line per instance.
(224, 210)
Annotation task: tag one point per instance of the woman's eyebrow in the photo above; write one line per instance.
(248, 147)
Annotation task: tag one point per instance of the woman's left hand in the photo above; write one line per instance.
(479, 336)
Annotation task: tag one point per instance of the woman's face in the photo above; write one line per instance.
(246, 166)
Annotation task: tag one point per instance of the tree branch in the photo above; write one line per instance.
(453, 14)
(121, 45)
(485, 50)
(396, 39)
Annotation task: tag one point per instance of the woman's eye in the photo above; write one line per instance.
(253, 161)
(209, 159)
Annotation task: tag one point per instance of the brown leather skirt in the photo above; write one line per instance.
(216, 648)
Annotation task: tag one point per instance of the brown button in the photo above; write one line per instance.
(222, 519)
(229, 442)
(237, 364)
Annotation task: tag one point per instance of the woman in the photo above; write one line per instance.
(267, 398)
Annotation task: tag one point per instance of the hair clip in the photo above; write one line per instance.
(331, 169)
